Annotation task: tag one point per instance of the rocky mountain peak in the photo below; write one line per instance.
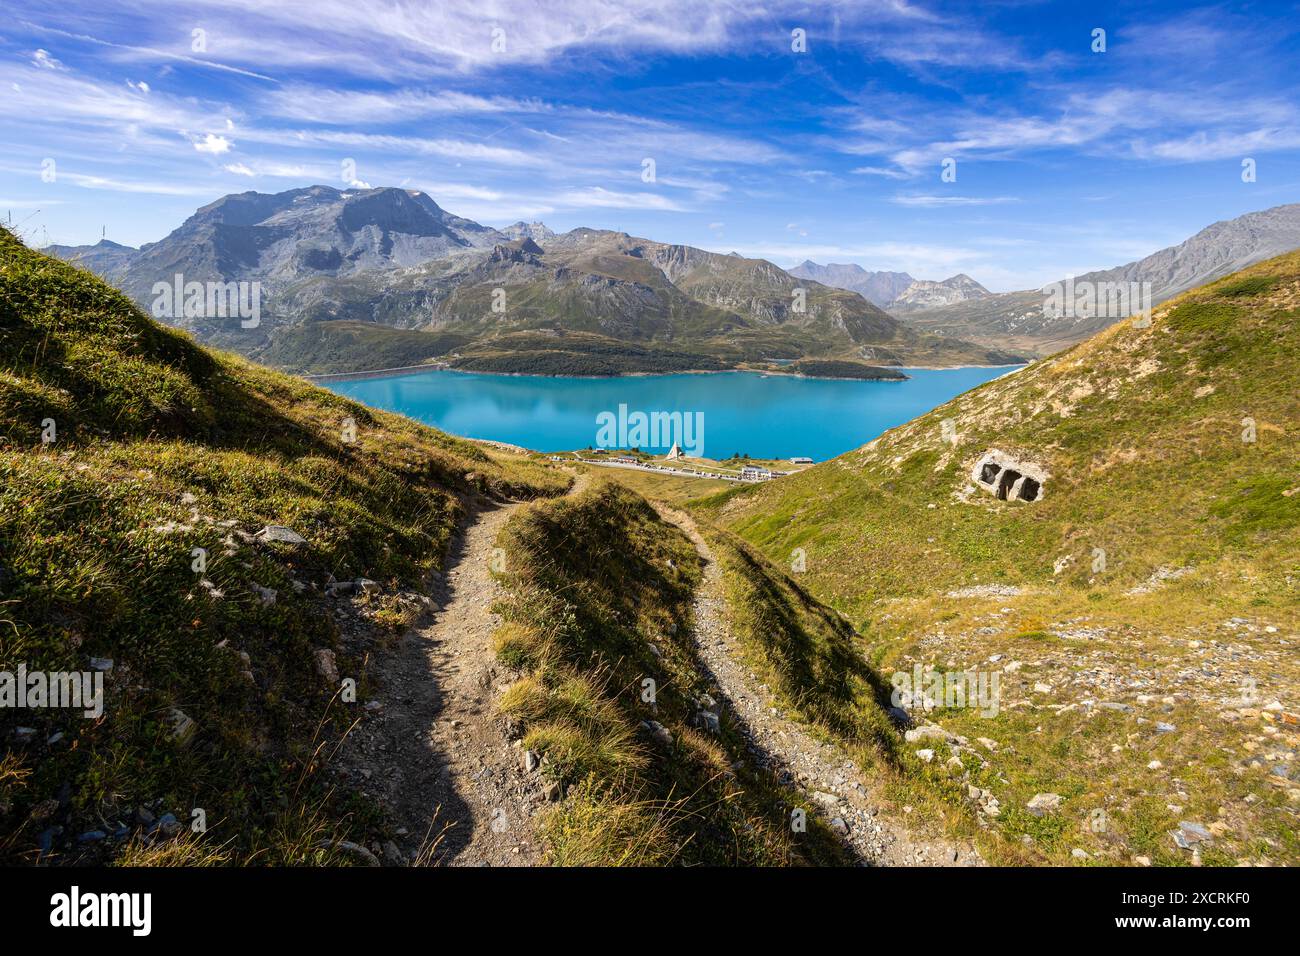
(537, 231)
(520, 250)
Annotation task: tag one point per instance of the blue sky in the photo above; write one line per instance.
(1066, 159)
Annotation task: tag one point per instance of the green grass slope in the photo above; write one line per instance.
(600, 601)
(214, 700)
(326, 348)
(1157, 575)
(574, 353)
(807, 654)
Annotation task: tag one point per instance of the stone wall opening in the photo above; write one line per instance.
(1006, 482)
(1008, 478)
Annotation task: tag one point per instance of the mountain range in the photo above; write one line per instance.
(350, 277)
(895, 291)
(522, 299)
(878, 288)
(1018, 321)
(284, 237)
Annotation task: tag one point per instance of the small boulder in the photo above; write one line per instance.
(708, 720)
(392, 855)
(659, 732)
(280, 535)
(356, 850)
(927, 732)
(1043, 803)
(1189, 834)
(326, 666)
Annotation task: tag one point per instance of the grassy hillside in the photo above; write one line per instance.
(574, 353)
(600, 599)
(1005, 320)
(814, 368)
(216, 697)
(325, 348)
(345, 346)
(1153, 586)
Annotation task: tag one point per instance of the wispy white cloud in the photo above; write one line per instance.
(931, 201)
(598, 197)
(43, 60)
(460, 191)
(1202, 146)
(384, 40)
(134, 52)
(87, 181)
(62, 97)
(884, 171)
(337, 107)
(1117, 121)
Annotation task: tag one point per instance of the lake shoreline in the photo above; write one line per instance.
(331, 377)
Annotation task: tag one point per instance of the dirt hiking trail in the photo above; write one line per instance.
(434, 753)
(844, 795)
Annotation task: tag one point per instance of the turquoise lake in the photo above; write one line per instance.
(764, 416)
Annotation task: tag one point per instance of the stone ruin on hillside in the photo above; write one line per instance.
(1008, 478)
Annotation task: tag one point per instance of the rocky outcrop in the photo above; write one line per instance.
(924, 294)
